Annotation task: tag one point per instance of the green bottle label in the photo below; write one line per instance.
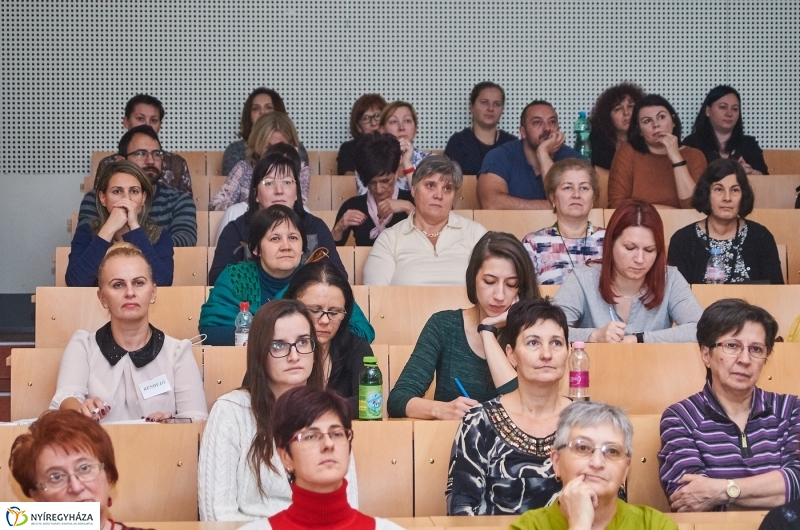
(370, 402)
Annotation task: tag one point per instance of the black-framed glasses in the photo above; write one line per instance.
(142, 154)
(280, 349)
(366, 118)
(734, 347)
(334, 316)
(58, 480)
(585, 449)
(310, 438)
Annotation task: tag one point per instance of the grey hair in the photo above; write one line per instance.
(438, 165)
(592, 414)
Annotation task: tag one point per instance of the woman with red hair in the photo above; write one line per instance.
(634, 296)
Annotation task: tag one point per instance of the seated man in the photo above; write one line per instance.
(511, 175)
(147, 110)
(172, 209)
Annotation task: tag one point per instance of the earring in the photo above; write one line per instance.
(558, 479)
(109, 502)
(152, 301)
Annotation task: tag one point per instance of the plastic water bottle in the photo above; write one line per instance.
(715, 270)
(579, 372)
(243, 321)
(370, 391)
(581, 130)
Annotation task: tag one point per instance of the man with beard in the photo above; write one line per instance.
(142, 109)
(172, 209)
(511, 176)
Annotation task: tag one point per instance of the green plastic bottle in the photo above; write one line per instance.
(370, 391)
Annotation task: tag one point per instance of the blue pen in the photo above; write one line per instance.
(461, 388)
(614, 317)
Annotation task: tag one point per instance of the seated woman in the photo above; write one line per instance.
(240, 475)
(103, 373)
(269, 130)
(633, 296)
(384, 205)
(592, 456)
(124, 199)
(732, 444)
(610, 120)
(468, 147)
(724, 194)
(432, 246)
(260, 101)
(365, 118)
(718, 131)
(329, 299)
(572, 188)
(399, 119)
(278, 242)
(451, 347)
(62, 444)
(275, 181)
(653, 166)
(303, 417)
(500, 463)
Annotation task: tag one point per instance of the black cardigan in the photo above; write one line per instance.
(748, 149)
(690, 254)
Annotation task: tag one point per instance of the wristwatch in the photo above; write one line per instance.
(639, 337)
(733, 491)
(487, 327)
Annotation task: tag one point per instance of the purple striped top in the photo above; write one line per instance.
(697, 437)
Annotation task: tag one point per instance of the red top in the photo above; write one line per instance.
(320, 511)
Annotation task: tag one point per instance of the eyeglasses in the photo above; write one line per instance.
(585, 449)
(335, 316)
(310, 438)
(366, 118)
(284, 183)
(58, 480)
(141, 154)
(734, 347)
(280, 349)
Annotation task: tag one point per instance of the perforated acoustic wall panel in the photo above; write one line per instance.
(69, 67)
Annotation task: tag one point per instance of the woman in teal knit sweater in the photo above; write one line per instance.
(277, 242)
(451, 347)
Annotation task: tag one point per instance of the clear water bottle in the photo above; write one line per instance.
(370, 391)
(581, 130)
(715, 270)
(579, 372)
(243, 321)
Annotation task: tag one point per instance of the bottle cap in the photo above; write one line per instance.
(578, 344)
(370, 360)
(244, 306)
(582, 114)
(715, 251)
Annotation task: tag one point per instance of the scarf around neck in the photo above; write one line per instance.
(372, 209)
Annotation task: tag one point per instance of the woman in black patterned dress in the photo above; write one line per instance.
(500, 462)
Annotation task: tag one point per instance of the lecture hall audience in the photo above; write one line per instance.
(500, 462)
(451, 345)
(572, 188)
(432, 246)
(633, 296)
(724, 194)
(469, 146)
(365, 118)
(732, 444)
(653, 165)
(240, 473)
(124, 197)
(610, 121)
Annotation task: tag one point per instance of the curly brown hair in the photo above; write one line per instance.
(600, 117)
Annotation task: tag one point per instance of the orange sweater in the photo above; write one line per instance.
(649, 177)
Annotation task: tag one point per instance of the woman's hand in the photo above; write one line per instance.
(406, 153)
(350, 218)
(453, 410)
(699, 494)
(578, 502)
(614, 331)
(670, 141)
(391, 206)
(748, 168)
(500, 320)
(121, 219)
(158, 416)
(94, 408)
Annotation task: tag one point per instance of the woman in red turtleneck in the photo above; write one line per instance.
(313, 436)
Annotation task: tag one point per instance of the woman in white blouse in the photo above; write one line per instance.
(128, 369)
(240, 475)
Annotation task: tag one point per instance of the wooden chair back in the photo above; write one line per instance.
(319, 193)
(327, 216)
(342, 188)
(433, 441)
(61, 261)
(644, 485)
(383, 451)
(602, 177)
(195, 160)
(210, 259)
(62, 310)
(774, 191)
(360, 255)
(398, 313)
(361, 296)
(781, 223)
(214, 224)
(88, 183)
(200, 191)
(781, 372)
(793, 263)
(214, 162)
(191, 266)
(346, 254)
(328, 163)
(467, 196)
(782, 161)
(522, 222)
(202, 229)
(223, 370)
(97, 156)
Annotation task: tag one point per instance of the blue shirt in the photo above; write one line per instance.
(465, 148)
(509, 163)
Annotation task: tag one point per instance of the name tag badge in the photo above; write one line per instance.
(154, 387)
